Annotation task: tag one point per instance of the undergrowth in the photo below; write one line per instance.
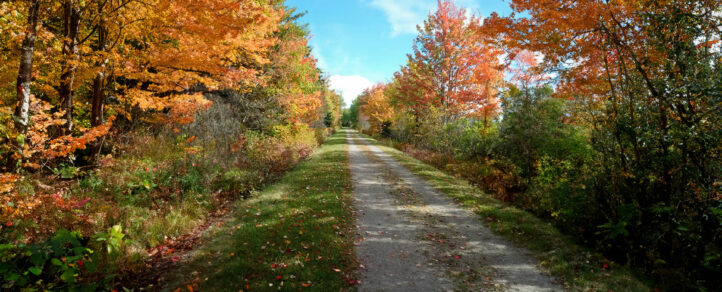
(160, 184)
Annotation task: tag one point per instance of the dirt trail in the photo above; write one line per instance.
(411, 238)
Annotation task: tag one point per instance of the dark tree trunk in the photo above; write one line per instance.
(22, 108)
(71, 22)
(96, 114)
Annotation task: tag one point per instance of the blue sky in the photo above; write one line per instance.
(362, 42)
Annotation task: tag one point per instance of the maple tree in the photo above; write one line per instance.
(376, 106)
(170, 65)
(156, 56)
(450, 67)
(299, 87)
(644, 76)
(189, 52)
(40, 148)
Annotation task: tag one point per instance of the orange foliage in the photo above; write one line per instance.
(13, 205)
(7, 182)
(205, 41)
(451, 67)
(156, 56)
(39, 147)
(601, 40)
(376, 105)
(297, 80)
(523, 68)
(181, 109)
(187, 43)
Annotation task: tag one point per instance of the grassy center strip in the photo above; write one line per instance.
(295, 234)
(578, 267)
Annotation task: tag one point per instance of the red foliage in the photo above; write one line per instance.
(451, 67)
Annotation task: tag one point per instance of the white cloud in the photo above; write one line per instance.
(405, 15)
(350, 86)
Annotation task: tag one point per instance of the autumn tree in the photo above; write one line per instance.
(332, 102)
(293, 77)
(646, 77)
(115, 22)
(376, 105)
(450, 67)
(26, 64)
(157, 56)
(177, 62)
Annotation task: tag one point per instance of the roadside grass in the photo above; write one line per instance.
(579, 268)
(292, 235)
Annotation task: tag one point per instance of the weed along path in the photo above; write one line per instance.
(411, 238)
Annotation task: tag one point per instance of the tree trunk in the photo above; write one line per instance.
(96, 114)
(71, 21)
(22, 108)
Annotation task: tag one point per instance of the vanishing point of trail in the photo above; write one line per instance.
(411, 238)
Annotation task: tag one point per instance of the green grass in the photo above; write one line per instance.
(578, 267)
(292, 235)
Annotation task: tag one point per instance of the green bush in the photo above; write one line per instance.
(68, 261)
(560, 191)
(66, 171)
(534, 126)
(238, 181)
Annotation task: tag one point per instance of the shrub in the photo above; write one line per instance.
(561, 191)
(534, 126)
(386, 129)
(68, 261)
(238, 181)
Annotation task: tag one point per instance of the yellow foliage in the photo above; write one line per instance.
(376, 105)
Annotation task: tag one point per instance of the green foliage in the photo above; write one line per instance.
(559, 191)
(238, 181)
(386, 129)
(192, 180)
(459, 137)
(350, 115)
(59, 263)
(66, 171)
(534, 126)
(91, 182)
(144, 182)
(112, 239)
(328, 120)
